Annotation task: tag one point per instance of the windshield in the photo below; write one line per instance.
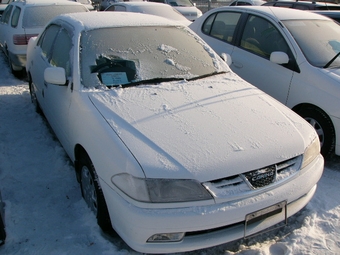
(123, 55)
(319, 40)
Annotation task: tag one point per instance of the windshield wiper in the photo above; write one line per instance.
(159, 80)
(332, 60)
(206, 75)
(150, 81)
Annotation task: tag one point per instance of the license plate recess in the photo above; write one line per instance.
(262, 214)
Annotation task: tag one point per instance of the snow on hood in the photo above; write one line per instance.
(205, 129)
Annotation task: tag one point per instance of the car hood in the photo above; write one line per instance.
(205, 129)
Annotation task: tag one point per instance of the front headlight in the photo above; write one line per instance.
(160, 190)
(311, 152)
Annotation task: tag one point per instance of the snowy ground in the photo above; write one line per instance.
(45, 213)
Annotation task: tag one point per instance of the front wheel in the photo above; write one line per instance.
(92, 193)
(323, 127)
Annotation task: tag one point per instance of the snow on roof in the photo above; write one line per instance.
(46, 2)
(93, 20)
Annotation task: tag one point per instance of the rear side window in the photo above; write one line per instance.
(15, 16)
(39, 16)
(222, 25)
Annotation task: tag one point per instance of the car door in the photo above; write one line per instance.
(57, 98)
(54, 50)
(251, 58)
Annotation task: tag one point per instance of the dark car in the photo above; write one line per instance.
(304, 5)
(335, 15)
(2, 222)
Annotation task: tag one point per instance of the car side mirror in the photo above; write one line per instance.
(279, 57)
(55, 75)
(227, 58)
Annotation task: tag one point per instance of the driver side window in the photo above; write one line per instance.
(61, 51)
(262, 38)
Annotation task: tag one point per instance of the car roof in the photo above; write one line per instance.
(44, 2)
(92, 20)
(308, 2)
(275, 12)
(140, 3)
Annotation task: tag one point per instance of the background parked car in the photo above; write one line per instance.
(159, 9)
(290, 54)
(87, 3)
(103, 4)
(185, 7)
(335, 15)
(246, 2)
(304, 5)
(22, 20)
(171, 148)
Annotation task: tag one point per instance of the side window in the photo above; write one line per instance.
(15, 16)
(7, 13)
(46, 40)
(62, 51)
(222, 25)
(119, 8)
(262, 38)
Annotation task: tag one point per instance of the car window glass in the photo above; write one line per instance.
(47, 39)
(286, 5)
(7, 13)
(111, 8)
(262, 38)
(61, 51)
(120, 8)
(222, 25)
(38, 16)
(15, 17)
(320, 49)
(302, 7)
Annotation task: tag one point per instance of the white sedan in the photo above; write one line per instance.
(290, 54)
(171, 148)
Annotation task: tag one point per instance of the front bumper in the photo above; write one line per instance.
(207, 225)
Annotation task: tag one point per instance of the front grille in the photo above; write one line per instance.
(261, 177)
(236, 186)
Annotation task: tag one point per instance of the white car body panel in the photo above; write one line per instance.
(312, 85)
(205, 130)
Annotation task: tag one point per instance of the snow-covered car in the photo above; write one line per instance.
(290, 54)
(171, 148)
(187, 8)
(87, 3)
(159, 9)
(22, 20)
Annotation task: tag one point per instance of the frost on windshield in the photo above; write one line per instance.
(122, 55)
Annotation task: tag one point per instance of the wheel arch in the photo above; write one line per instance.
(304, 106)
(79, 151)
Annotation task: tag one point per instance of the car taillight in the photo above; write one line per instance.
(22, 39)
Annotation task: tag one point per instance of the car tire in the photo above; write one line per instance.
(323, 127)
(33, 95)
(92, 193)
